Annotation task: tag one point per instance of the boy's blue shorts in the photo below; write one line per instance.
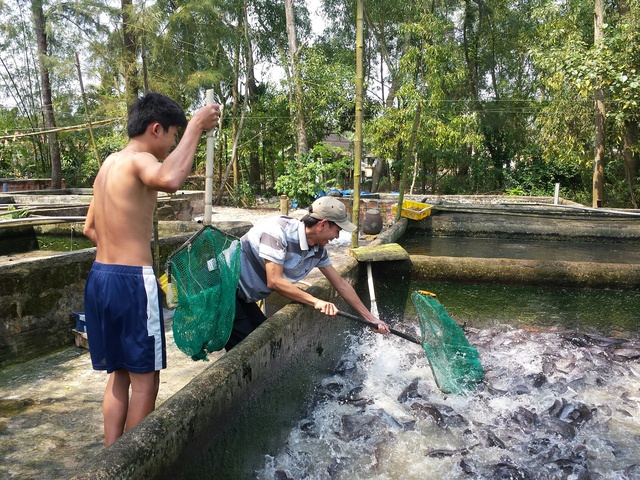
(123, 313)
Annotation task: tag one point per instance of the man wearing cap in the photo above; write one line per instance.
(280, 251)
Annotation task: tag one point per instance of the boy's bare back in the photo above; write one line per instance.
(123, 209)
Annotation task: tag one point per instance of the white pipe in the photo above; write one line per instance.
(372, 293)
(557, 194)
(19, 222)
(208, 186)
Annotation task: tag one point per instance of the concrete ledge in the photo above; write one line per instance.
(527, 272)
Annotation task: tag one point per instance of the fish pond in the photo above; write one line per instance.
(560, 397)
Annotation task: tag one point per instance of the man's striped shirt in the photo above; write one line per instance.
(281, 240)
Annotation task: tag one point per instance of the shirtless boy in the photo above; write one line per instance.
(122, 306)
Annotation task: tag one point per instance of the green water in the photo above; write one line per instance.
(608, 312)
(57, 243)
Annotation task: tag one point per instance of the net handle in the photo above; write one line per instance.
(373, 325)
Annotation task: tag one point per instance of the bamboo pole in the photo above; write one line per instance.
(357, 144)
(86, 111)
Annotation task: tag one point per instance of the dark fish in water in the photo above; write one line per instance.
(334, 468)
(538, 445)
(447, 453)
(281, 475)
(548, 366)
(345, 367)
(507, 471)
(633, 471)
(537, 380)
(308, 427)
(602, 341)
(354, 397)
(356, 426)
(626, 354)
(425, 410)
(574, 413)
(494, 441)
(411, 391)
(495, 391)
(521, 390)
(559, 427)
(526, 418)
(392, 422)
(466, 467)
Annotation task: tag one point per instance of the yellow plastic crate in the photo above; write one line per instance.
(413, 210)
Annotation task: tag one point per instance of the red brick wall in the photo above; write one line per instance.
(14, 185)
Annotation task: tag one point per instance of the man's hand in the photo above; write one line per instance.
(207, 117)
(327, 308)
(381, 327)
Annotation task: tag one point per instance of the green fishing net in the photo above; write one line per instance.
(204, 274)
(454, 362)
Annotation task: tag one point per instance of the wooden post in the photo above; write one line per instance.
(284, 205)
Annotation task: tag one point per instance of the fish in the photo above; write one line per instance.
(494, 441)
(411, 391)
(508, 471)
(425, 410)
(573, 413)
(526, 418)
(345, 367)
(446, 453)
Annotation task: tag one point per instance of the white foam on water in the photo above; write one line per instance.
(548, 410)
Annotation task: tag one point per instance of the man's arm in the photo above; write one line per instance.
(277, 283)
(169, 175)
(89, 229)
(347, 292)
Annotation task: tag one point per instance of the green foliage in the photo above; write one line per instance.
(17, 213)
(244, 195)
(307, 175)
(532, 175)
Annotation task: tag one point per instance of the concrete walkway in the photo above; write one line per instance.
(51, 409)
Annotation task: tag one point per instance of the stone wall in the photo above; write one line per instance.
(37, 298)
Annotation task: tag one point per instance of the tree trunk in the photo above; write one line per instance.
(130, 54)
(630, 138)
(298, 109)
(252, 91)
(599, 117)
(45, 86)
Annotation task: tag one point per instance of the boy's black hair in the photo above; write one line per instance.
(154, 107)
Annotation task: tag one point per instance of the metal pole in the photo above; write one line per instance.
(208, 186)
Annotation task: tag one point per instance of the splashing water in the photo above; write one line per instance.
(552, 405)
